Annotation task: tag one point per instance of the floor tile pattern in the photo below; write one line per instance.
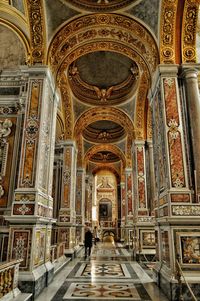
(108, 274)
(103, 291)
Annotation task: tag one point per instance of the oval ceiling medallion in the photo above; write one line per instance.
(101, 77)
(104, 157)
(104, 131)
(102, 5)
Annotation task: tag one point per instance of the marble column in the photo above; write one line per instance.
(80, 205)
(67, 214)
(190, 76)
(32, 208)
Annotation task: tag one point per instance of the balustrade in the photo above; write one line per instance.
(9, 278)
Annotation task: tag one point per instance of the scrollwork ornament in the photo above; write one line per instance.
(37, 28)
(5, 128)
(168, 27)
(189, 29)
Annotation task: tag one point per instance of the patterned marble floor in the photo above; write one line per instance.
(108, 274)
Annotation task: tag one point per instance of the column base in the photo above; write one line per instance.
(34, 282)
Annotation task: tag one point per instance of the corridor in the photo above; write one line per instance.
(109, 274)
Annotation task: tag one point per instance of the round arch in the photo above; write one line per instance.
(105, 147)
(104, 113)
(96, 32)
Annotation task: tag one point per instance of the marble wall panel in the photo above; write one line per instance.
(21, 246)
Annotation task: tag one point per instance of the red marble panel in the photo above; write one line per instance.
(67, 178)
(176, 160)
(31, 134)
(23, 209)
(165, 247)
(140, 160)
(141, 192)
(183, 198)
(171, 100)
(78, 193)
(129, 194)
(123, 194)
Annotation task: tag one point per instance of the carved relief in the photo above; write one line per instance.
(7, 135)
(99, 26)
(103, 96)
(37, 27)
(140, 107)
(67, 104)
(168, 30)
(105, 147)
(189, 28)
(186, 210)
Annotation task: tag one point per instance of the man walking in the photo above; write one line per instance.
(88, 242)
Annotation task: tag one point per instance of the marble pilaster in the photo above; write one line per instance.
(177, 215)
(31, 215)
(80, 205)
(140, 178)
(67, 214)
(151, 176)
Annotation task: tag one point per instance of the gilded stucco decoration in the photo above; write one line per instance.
(128, 150)
(189, 28)
(168, 31)
(103, 113)
(67, 105)
(105, 147)
(35, 10)
(101, 5)
(79, 143)
(96, 32)
(140, 131)
(149, 123)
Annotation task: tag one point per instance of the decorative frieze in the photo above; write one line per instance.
(37, 27)
(168, 30)
(146, 219)
(186, 210)
(189, 28)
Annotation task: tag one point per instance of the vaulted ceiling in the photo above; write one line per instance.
(103, 55)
